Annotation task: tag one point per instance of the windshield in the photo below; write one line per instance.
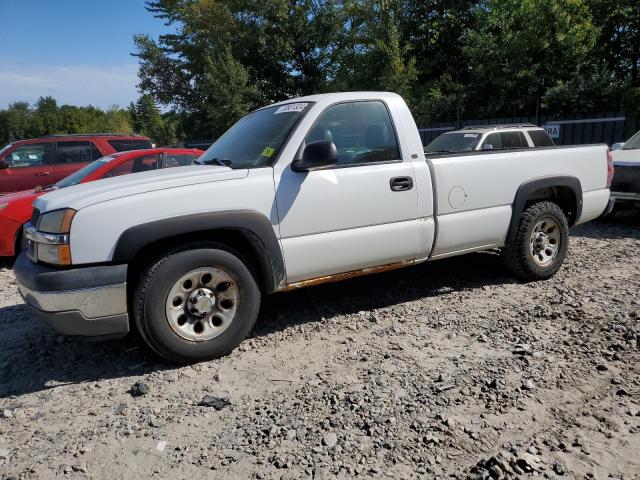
(453, 142)
(255, 140)
(78, 176)
(633, 143)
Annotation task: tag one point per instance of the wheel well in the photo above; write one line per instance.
(242, 242)
(564, 196)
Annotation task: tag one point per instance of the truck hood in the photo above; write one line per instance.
(85, 194)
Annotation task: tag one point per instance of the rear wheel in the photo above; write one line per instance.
(196, 303)
(540, 244)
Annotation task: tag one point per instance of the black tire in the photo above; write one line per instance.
(154, 286)
(517, 255)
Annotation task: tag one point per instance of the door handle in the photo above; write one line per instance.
(401, 184)
(42, 174)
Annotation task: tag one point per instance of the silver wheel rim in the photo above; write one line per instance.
(202, 304)
(546, 238)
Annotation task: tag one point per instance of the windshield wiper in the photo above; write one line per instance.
(223, 162)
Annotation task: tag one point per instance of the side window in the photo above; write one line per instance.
(32, 155)
(95, 153)
(493, 139)
(73, 152)
(124, 145)
(135, 165)
(504, 140)
(173, 160)
(512, 140)
(361, 131)
(540, 138)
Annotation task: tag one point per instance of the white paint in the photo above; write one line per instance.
(594, 204)
(464, 231)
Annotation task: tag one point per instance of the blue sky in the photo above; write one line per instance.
(78, 51)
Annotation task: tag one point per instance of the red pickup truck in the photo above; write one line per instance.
(39, 162)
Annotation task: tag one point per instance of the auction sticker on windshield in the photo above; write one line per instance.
(291, 107)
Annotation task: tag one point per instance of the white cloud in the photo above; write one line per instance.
(71, 84)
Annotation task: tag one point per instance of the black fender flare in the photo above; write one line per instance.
(254, 226)
(526, 189)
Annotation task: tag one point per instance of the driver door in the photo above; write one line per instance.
(359, 213)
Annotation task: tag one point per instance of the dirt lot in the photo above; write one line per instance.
(446, 369)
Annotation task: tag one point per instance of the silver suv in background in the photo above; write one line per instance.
(490, 137)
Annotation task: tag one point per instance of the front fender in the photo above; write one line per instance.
(253, 225)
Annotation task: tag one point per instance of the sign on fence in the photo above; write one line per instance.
(553, 130)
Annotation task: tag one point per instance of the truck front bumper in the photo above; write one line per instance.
(85, 301)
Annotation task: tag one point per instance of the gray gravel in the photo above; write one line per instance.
(450, 369)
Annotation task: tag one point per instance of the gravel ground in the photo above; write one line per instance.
(449, 369)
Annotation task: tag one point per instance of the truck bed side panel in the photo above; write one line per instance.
(470, 186)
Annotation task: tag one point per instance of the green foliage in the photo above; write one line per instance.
(21, 121)
(148, 121)
(46, 117)
(521, 48)
(448, 58)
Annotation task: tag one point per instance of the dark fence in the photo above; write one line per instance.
(606, 128)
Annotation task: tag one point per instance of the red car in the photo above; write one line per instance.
(46, 160)
(15, 208)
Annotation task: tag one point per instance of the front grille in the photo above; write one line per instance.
(35, 216)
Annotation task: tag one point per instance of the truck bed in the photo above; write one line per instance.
(475, 191)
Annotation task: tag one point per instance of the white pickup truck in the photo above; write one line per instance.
(310, 190)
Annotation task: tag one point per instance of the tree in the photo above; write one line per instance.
(148, 121)
(618, 42)
(228, 57)
(521, 48)
(477, 57)
(16, 122)
(21, 121)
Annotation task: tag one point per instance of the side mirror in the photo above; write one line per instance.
(617, 146)
(316, 155)
(487, 146)
(4, 164)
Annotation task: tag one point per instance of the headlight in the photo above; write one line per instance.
(58, 221)
(49, 240)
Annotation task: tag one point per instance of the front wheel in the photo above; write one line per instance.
(196, 303)
(540, 244)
